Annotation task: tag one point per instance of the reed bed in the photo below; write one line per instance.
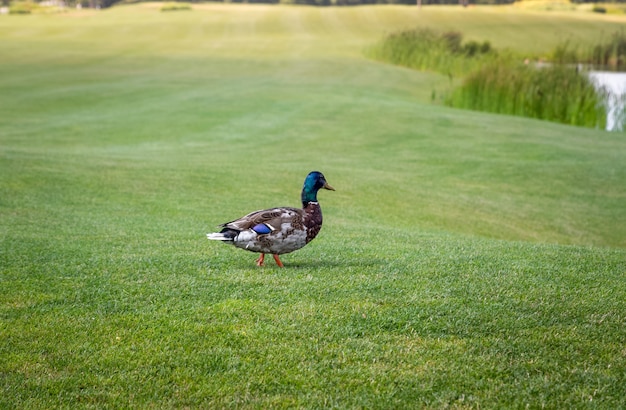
(554, 93)
(429, 50)
(496, 81)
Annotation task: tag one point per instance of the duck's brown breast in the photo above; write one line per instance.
(312, 220)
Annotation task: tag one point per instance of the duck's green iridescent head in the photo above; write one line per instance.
(313, 183)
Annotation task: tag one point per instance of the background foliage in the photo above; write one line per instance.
(558, 4)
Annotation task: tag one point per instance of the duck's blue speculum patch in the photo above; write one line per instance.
(261, 229)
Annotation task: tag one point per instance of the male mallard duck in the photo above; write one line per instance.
(278, 230)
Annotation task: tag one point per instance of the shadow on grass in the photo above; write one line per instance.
(334, 263)
(299, 265)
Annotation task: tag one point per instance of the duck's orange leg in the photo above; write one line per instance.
(259, 262)
(278, 262)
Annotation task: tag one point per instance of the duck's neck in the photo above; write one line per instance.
(308, 196)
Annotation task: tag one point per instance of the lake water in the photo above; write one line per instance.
(615, 84)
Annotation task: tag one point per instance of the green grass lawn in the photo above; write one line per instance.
(467, 260)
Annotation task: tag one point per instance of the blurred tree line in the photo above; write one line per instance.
(358, 2)
(109, 3)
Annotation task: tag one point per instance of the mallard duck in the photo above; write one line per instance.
(278, 230)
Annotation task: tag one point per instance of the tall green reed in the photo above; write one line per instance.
(609, 54)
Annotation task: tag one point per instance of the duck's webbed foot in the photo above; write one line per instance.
(259, 262)
(278, 262)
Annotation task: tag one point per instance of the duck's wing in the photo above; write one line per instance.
(273, 218)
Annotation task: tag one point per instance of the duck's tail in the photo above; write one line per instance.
(225, 235)
(216, 236)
